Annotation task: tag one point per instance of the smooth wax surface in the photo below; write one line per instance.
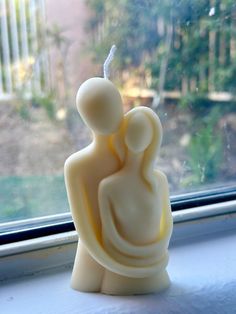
(203, 273)
(119, 203)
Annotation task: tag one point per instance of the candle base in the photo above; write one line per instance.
(90, 276)
(87, 275)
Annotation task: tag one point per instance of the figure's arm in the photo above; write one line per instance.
(166, 217)
(74, 193)
(111, 232)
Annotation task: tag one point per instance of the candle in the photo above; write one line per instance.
(119, 202)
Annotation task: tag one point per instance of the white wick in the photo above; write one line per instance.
(110, 57)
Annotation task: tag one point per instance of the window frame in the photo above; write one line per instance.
(28, 257)
(61, 223)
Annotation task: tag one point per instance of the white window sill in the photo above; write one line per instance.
(202, 269)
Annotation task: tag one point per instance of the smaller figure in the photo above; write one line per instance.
(135, 210)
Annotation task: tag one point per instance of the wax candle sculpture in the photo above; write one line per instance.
(119, 202)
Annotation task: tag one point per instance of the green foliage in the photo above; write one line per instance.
(225, 78)
(205, 150)
(133, 27)
(22, 105)
(28, 197)
(198, 103)
(46, 101)
(37, 100)
(24, 112)
(130, 25)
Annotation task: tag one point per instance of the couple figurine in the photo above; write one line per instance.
(119, 203)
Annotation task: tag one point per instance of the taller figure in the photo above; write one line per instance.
(100, 106)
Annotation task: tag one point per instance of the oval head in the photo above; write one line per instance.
(139, 132)
(100, 105)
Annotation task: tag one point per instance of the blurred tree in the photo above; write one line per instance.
(173, 45)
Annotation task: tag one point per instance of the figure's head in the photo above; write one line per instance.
(100, 105)
(143, 133)
(139, 132)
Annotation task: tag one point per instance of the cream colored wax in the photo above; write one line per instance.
(119, 202)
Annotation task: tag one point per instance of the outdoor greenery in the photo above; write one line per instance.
(205, 149)
(45, 100)
(149, 34)
(32, 196)
(183, 45)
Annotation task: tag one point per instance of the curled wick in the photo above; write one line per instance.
(110, 57)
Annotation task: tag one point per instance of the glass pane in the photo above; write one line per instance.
(178, 57)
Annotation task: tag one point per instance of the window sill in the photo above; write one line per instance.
(202, 269)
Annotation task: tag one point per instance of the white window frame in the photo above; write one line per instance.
(36, 255)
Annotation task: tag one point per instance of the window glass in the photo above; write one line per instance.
(178, 57)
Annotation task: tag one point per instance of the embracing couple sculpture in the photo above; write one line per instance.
(119, 203)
